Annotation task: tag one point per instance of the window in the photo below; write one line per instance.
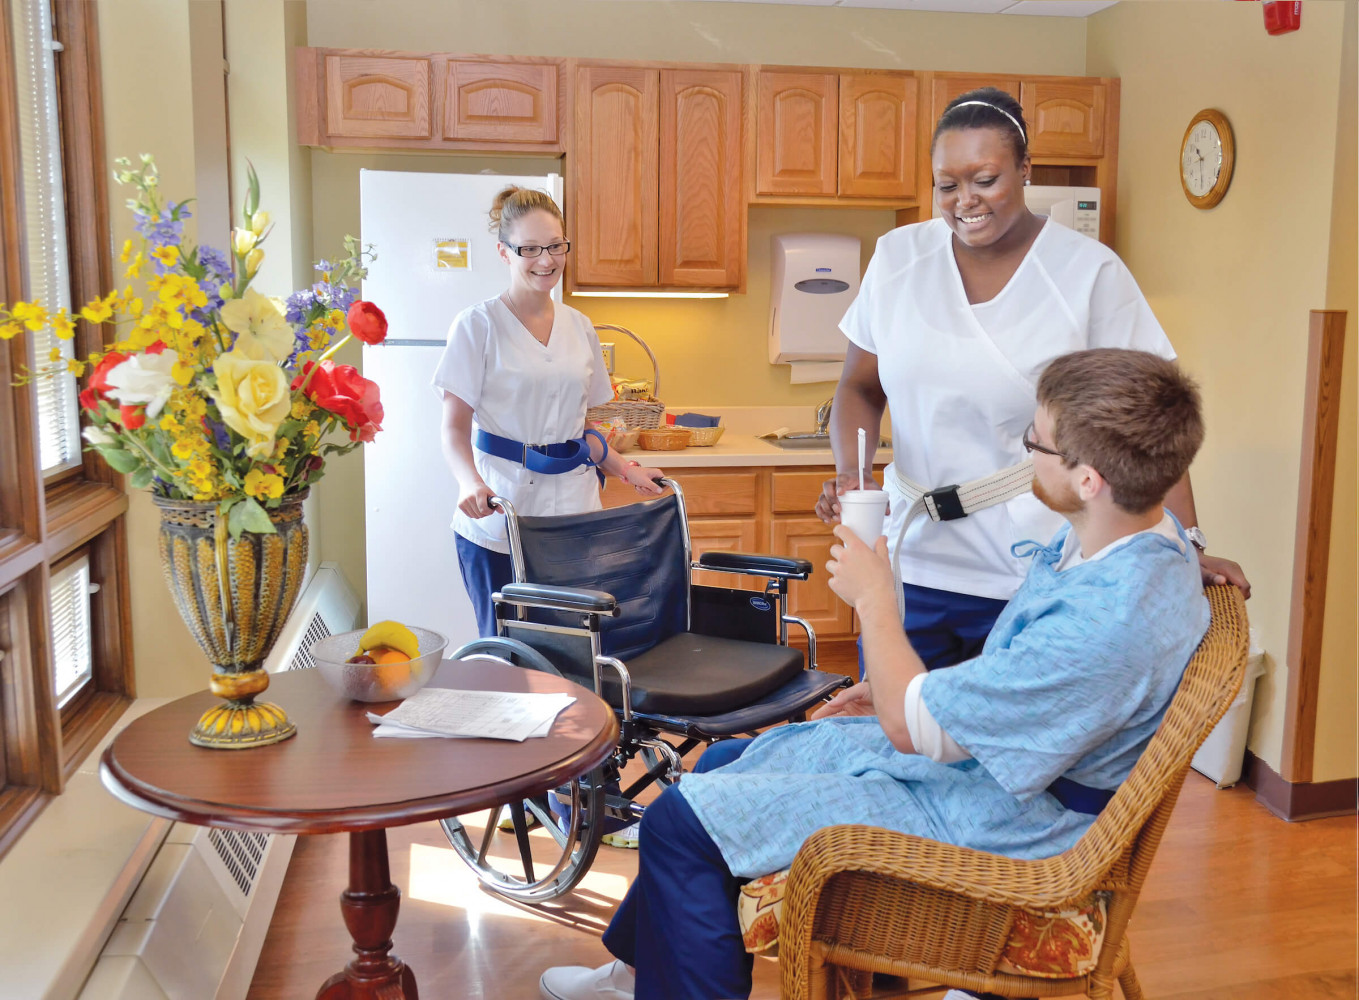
(65, 639)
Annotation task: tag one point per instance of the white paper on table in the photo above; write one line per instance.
(500, 715)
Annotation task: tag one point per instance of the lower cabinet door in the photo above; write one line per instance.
(808, 538)
(725, 535)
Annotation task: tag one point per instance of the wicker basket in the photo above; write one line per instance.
(663, 438)
(634, 412)
(625, 441)
(704, 437)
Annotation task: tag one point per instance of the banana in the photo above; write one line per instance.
(391, 634)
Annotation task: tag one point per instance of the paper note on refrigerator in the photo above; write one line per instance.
(453, 255)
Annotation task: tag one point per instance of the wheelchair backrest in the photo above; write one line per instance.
(637, 553)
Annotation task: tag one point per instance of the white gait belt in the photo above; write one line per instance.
(948, 503)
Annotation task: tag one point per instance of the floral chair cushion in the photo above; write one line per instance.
(1051, 945)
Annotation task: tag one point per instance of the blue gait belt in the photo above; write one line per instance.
(547, 459)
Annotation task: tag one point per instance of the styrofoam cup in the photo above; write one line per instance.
(862, 512)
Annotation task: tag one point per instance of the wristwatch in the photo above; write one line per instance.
(1197, 538)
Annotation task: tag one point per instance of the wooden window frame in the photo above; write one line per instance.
(42, 522)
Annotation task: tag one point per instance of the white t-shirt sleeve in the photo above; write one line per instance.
(927, 735)
(857, 323)
(462, 368)
(1120, 315)
(601, 388)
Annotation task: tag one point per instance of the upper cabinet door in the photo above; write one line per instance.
(1066, 117)
(702, 211)
(616, 181)
(946, 88)
(797, 130)
(501, 101)
(378, 96)
(877, 135)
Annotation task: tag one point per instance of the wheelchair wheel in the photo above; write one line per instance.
(545, 861)
(519, 654)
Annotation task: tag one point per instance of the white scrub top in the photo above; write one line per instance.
(961, 380)
(524, 390)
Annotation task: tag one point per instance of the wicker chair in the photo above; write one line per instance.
(862, 900)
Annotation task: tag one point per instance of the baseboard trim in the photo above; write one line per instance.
(1300, 800)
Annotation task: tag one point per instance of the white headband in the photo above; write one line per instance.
(984, 104)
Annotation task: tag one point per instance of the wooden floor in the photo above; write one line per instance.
(1239, 906)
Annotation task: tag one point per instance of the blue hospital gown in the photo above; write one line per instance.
(1073, 680)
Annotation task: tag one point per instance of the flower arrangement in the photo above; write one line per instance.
(214, 391)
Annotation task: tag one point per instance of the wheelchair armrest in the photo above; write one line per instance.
(751, 564)
(538, 595)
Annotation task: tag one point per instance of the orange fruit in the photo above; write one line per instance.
(386, 654)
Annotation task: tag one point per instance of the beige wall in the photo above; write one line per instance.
(1233, 285)
(1337, 699)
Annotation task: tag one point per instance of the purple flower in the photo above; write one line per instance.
(219, 433)
(324, 265)
(299, 306)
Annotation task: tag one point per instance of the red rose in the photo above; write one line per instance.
(341, 390)
(367, 322)
(99, 386)
(132, 417)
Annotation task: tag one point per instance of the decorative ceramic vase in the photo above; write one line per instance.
(235, 596)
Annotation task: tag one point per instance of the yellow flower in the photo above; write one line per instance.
(54, 355)
(261, 484)
(62, 325)
(259, 222)
(127, 251)
(10, 329)
(30, 314)
(75, 366)
(253, 399)
(167, 255)
(312, 430)
(253, 260)
(98, 311)
(243, 241)
(281, 448)
(301, 409)
(262, 333)
(169, 423)
(183, 374)
(184, 448)
(134, 270)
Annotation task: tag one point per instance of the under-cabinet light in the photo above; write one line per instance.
(625, 294)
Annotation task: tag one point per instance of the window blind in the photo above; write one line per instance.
(47, 262)
(72, 651)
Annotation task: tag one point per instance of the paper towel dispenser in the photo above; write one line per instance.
(814, 277)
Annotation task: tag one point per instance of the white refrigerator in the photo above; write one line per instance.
(435, 257)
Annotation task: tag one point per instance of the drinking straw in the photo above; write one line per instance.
(863, 447)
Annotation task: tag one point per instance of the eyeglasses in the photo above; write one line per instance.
(529, 250)
(1030, 445)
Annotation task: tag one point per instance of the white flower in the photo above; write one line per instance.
(144, 379)
(262, 334)
(97, 436)
(243, 241)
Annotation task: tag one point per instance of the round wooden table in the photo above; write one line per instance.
(334, 776)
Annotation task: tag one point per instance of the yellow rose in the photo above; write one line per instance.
(253, 398)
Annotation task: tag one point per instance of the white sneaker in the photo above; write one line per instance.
(958, 995)
(614, 981)
(628, 837)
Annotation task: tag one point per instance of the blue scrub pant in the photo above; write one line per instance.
(484, 571)
(944, 628)
(677, 925)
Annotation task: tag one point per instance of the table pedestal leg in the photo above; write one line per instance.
(369, 907)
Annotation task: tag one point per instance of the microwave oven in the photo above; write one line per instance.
(1074, 207)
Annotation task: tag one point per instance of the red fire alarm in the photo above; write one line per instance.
(1282, 16)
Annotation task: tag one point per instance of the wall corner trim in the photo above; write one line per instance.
(1300, 800)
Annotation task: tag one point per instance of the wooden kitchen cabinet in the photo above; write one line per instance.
(375, 99)
(726, 535)
(798, 133)
(378, 96)
(501, 101)
(702, 223)
(945, 87)
(1065, 116)
(658, 179)
(878, 135)
(615, 221)
(812, 599)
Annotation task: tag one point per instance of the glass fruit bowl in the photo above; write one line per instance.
(377, 681)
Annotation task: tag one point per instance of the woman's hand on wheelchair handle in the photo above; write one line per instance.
(476, 500)
(856, 700)
(643, 479)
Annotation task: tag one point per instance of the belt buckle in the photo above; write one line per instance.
(523, 455)
(945, 503)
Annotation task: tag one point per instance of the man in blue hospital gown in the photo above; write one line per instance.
(1014, 752)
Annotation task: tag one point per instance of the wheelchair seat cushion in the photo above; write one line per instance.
(690, 674)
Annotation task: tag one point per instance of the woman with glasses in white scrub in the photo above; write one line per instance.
(517, 375)
(954, 322)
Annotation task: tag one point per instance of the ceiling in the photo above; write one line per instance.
(1051, 8)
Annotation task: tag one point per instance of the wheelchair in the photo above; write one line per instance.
(606, 599)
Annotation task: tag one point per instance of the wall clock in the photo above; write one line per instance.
(1207, 156)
